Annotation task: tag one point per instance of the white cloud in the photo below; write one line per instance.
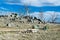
(47, 16)
(34, 2)
(13, 2)
(41, 2)
(35, 14)
(6, 12)
(56, 2)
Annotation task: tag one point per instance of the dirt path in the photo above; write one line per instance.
(8, 29)
(16, 29)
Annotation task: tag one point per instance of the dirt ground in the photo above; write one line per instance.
(53, 33)
(14, 32)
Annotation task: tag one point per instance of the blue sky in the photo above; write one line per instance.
(35, 6)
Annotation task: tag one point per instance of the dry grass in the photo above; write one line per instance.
(41, 35)
(53, 33)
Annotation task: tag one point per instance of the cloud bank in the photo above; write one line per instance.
(47, 16)
(33, 2)
(41, 2)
